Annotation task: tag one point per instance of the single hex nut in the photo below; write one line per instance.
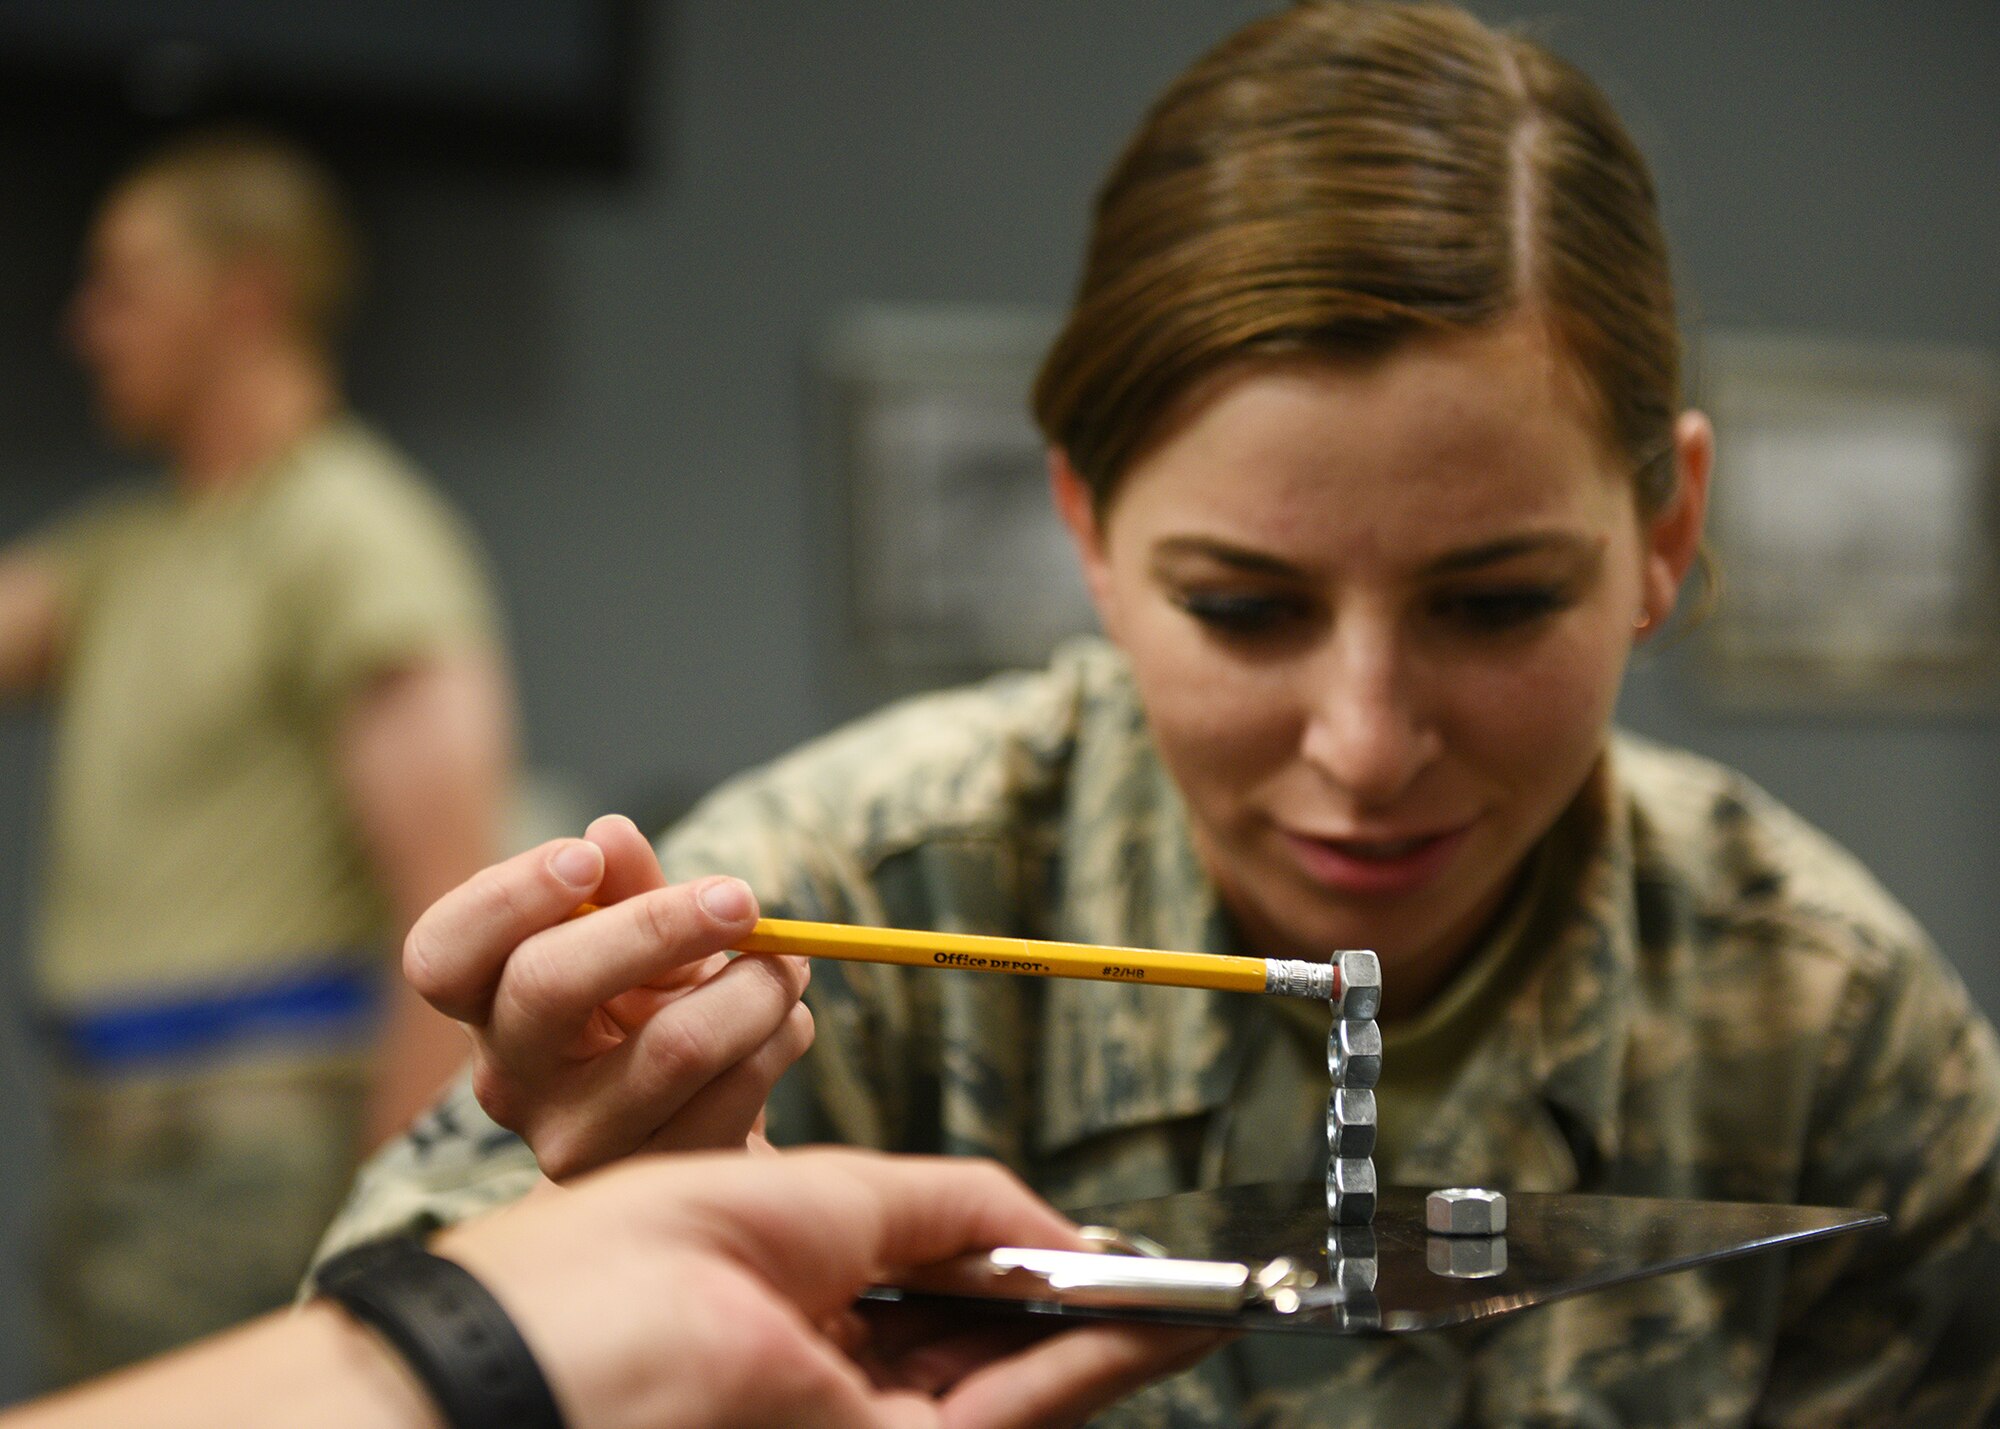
(1466, 1210)
(1354, 1055)
(1360, 986)
(1350, 1191)
(1350, 1123)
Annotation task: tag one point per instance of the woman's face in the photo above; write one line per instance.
(1378, 613)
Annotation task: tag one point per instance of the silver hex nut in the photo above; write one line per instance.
(1350, 1190)
(1350, 1123)
(1465, 1210)
(1354, 1055)
(1360, 986)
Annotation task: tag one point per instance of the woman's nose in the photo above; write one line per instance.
(1367, 730)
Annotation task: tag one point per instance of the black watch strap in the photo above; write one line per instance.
(454, 1334)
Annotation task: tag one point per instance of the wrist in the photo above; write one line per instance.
(450, 1332)
(377, 1386)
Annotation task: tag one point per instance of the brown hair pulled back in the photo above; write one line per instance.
(1341, 176)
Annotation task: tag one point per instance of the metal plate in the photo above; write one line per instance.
(1395, 1277)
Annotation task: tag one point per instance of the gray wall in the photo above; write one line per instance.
(611, 378)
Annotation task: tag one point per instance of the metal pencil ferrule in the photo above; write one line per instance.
(1294, 978)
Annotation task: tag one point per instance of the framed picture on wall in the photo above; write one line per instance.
(953, 562)
(1853, 516)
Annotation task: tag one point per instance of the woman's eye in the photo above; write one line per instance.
(1496, 610)
(1236, 614)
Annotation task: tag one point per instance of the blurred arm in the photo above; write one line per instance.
(315, 1369)
(426, 756)
(30, 620)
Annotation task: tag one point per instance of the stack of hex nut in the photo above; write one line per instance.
(1354, 1063)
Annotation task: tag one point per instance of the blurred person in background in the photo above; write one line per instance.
(282, 728)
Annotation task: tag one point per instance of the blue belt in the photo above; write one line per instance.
(317, 1003)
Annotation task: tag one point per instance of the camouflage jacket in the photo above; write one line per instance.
(1728, 1007)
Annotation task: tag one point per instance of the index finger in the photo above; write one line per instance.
(458, 947)
(630, 865)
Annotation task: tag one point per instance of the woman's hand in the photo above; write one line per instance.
(678, 1292)
(626, 1030)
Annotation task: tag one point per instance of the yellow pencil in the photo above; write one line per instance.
(1352, 979)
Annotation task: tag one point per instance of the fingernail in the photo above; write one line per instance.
(578, 864)
(727, 900)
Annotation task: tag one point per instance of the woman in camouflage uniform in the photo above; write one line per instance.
(1367, 423)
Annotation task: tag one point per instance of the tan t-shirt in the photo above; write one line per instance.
(200, 833)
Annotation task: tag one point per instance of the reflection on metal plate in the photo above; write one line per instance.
(1404, 1279)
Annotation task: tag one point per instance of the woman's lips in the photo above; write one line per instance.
(1379, 867)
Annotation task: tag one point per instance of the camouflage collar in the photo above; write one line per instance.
(1536, 1106)
(1114, 1056)
(1585, 996)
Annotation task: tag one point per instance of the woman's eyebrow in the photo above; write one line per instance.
(1235, 557)
(1490, 553)
(1469, 558)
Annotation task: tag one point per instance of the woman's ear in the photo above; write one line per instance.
(1673, 535)
(1077, 505)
